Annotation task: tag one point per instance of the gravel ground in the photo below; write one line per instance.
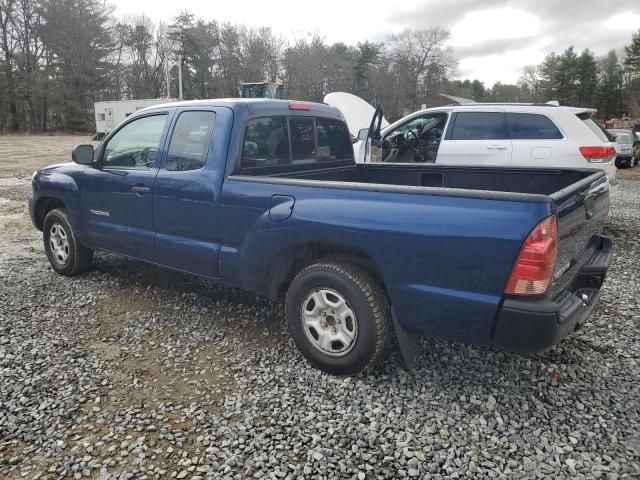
(130, 371)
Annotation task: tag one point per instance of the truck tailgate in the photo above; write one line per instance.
(581, 210)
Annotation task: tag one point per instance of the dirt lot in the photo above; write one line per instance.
(131, 371)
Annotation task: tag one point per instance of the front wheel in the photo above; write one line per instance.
(66, 254)
(338, 317)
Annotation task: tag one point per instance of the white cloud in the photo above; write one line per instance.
(628, 21)
(493, 24)
(493, 39)
(503, 67)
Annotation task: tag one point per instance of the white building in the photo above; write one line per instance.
(109, 114)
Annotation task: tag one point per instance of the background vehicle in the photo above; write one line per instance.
(262, 90)
(624, 140)
(530, 135)
(265, 195)
(109, 114)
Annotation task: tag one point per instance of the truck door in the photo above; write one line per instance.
(187, 191)
(476, 137)
(117, 194)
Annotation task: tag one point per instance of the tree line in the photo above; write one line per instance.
(58, 57)
(610, 83)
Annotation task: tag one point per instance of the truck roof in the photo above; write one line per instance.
(264, 106)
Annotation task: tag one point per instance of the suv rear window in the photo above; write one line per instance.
(480, 126)
(532, 126)
(282, 140)
(595, 127)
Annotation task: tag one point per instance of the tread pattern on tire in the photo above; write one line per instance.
(83, 255)
(376, 298)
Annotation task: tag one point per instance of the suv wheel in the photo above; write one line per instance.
(338, 317)
(65, 253)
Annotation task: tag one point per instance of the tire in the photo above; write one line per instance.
(66, 254)
(358, 333)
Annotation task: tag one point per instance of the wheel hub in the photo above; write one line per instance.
(59, 243)
(329, 322)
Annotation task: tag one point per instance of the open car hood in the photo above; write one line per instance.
(356, 112)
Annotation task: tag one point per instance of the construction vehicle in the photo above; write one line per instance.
(262, 90)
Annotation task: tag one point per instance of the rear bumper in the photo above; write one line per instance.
(533, 325)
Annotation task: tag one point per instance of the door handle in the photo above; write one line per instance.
(496, 147)
(140, 189)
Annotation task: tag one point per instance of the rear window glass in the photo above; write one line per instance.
(275, 141)
(333, 140)
(480, 126)
(597, 129)
(531, 126)
(266, 142)
(303, 143)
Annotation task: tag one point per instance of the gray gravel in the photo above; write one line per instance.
(130, 371)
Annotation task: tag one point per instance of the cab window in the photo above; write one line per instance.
(282, 140)
(303, 144)
(333, 140)
(190, 141)
(266, 142)
(135, 145)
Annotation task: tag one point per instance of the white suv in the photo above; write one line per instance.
(532, 135)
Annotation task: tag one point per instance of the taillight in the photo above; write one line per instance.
(298, 106)
(600, 154)
(533, 270)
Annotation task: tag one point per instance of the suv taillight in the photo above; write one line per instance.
(533, 270)
(599, 154)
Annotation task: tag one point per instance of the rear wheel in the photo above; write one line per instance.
(338, 317)
(66, 254)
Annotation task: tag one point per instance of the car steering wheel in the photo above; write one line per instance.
(143, 156)
(419, 157)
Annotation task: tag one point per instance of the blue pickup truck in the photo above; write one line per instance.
(265, 195)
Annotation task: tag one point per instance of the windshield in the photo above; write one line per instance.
(624, 138)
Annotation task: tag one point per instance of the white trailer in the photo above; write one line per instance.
(109, 114)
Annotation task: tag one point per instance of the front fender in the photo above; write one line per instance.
(61, 185)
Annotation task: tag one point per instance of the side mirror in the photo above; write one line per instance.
(82, 154)
(363, 133)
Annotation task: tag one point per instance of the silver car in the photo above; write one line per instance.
(624, 140)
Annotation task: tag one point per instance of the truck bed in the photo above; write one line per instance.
(578, 198)
(513, 180)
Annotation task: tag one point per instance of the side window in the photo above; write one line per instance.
(266, 142)
(334, 140)
(530, 126)
(190, 141)
(480, 126)
(303, 145)
(136, 144)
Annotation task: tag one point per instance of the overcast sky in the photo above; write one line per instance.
(493, 39)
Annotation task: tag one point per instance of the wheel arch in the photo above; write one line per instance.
(43, 206)
(288, 263)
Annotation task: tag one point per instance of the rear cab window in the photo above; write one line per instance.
(285, 140)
